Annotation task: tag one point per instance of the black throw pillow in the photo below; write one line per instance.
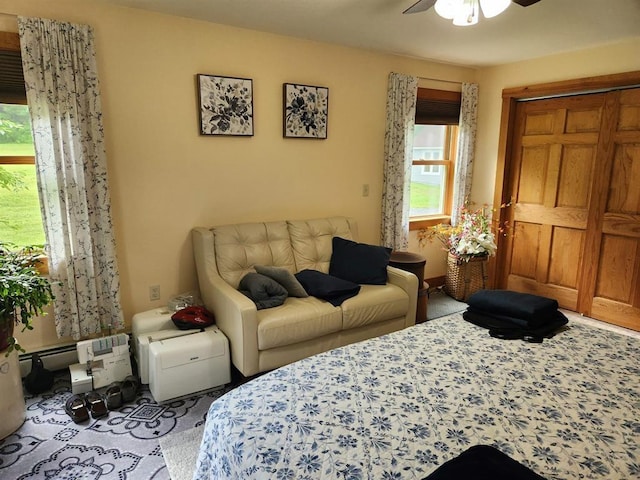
(359, 262)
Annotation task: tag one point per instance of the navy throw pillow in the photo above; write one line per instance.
(359, 262)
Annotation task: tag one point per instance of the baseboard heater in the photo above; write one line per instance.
(58, 358)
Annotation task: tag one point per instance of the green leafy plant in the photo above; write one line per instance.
(24, 292)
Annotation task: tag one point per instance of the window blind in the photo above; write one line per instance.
(437, 107)
(12, 88)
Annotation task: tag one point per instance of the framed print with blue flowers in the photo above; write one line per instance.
(306, 111)
(226, 105)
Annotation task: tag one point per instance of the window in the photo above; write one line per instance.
(434, 152)
(20, 219)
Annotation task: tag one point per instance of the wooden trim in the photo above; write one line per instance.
(435, 282)
(13, 98)
(426, 222)
(502, 194)
(579, 85)
(43, 265)
(10, 41)
(452, 131)
(431, 162)
(26, 160)
(439, 95)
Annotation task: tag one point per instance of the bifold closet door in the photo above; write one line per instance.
(610, 288)
(575, 181)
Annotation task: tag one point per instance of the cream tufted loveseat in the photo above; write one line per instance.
(265, 339)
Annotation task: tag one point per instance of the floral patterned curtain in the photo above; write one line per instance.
(64, 102)
(466, 148)
(398, 148)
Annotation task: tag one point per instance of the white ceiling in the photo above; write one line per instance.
(548, 27)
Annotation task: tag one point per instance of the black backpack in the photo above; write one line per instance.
(39, 379)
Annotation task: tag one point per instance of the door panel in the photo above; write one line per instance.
(629, 111)
(565, 257)
(583, 120)
(617, 265)
(555, 154)
(539, 123)
(534, 163)
(617, 289)
(525, 251)
(624, 195)
(575, 176)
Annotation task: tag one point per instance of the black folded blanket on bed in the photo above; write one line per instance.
(532, 308)
(508, 328)
(513, 315)
(482, 462)
(327, 287)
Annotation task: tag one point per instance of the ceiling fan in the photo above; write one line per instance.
(424, 5)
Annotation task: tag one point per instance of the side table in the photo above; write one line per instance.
(414, 263)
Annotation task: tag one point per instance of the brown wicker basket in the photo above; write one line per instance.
(465, 277)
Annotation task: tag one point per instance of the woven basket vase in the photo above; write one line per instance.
(465, 277)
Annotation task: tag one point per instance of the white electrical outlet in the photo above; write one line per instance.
(154, 292)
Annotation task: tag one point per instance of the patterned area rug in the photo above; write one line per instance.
(122, 445)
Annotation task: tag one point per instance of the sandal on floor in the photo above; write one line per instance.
(129, 388)
(95, 404)
(113, 396)
(76, 409)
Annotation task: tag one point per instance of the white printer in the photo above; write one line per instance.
(188, 364)
(148, 327)
(177, 362)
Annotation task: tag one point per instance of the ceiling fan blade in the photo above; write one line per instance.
(525, 3)
(421, 6)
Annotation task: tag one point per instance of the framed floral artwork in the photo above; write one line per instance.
(305, 111)
(226, 105)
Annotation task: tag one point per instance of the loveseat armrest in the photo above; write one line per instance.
(235, 314)
(408, 282)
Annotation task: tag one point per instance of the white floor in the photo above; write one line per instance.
(576, 317)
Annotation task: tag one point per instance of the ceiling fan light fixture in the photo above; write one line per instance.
(448, 8)
(492, 8)
(467, 14)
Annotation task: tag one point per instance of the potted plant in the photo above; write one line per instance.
(24, 292)
(469, 244)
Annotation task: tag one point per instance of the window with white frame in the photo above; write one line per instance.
(20, 218)
(434, 152)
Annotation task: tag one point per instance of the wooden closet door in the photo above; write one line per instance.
(554, 158)
(610, 288)
(576, 213)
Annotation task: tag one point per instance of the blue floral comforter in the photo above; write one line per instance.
(398, 406)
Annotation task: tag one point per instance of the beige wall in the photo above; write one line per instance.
(615, 58)
(165, 178)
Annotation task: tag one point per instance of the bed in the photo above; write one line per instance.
(398, 406)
